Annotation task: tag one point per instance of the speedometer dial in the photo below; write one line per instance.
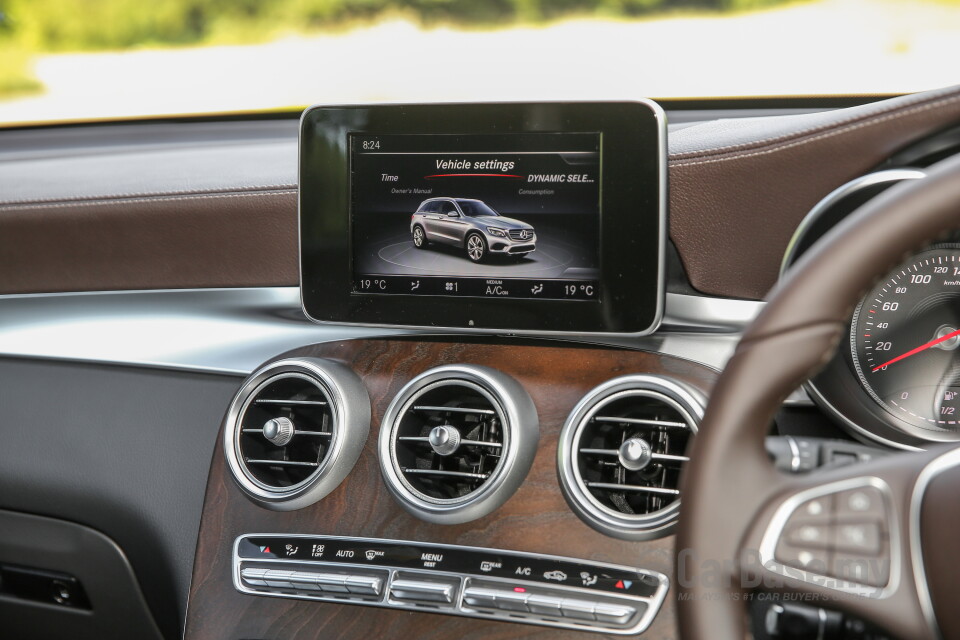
(905, 337)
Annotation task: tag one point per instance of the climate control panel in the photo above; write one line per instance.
(467, 581)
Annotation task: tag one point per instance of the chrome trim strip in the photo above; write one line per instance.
(653, 603)
(834, 197)
(787, 508)
(704, 314)
(932, 470)
(234, 331)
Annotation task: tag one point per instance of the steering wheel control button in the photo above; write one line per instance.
(855, 568)
(844, 535)
(864, 503)
(862, 538)
(811, 535)
(814, 560)
(493, 584)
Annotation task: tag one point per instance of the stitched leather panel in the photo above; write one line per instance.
(214, 205)
(160, 242)
(738, 189)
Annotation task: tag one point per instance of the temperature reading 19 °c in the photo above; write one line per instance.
(373, 284)
(579, 290)
(905, 338)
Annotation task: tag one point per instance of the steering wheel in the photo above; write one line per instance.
(877, 540)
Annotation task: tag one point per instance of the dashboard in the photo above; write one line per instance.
(267, 406)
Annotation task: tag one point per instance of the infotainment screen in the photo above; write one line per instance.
(505, 216)
(513, 218)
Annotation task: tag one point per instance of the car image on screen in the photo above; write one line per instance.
(471, 225)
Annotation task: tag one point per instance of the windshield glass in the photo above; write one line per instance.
(475, 208)
(73, 60)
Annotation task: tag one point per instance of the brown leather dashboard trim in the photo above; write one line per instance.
(735, 203)
(738, 189)
(184, 240)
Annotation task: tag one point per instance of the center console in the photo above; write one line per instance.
(488, 473)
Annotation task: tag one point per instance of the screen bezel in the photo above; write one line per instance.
(633, 198)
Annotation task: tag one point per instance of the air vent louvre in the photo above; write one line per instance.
(650, 428)
(296, 398)
(295, 429)
(457, 441)
(450, 440)
(622, 452)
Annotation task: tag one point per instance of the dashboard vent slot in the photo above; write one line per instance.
(295, 429)
(457, 441)
(286, 430)
(622, 452)
(449, 442)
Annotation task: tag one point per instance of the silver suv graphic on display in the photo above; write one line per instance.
(471, 225)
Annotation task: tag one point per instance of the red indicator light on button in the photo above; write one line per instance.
(519, 589)
(266, 549)
(619, 585)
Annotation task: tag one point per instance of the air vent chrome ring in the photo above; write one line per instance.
(635, 453)
(345, 419)
(418, 439)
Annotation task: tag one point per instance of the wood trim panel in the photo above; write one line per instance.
(536, 519)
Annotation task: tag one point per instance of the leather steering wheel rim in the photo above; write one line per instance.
(730, 486)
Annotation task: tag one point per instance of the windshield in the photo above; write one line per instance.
(475, 208)
(72, 60)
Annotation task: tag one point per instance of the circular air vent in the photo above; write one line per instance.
(457, 441)
(621, 452)
(294, 431)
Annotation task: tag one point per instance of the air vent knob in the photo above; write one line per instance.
(635, 454)
(279, 431)
(444, 439)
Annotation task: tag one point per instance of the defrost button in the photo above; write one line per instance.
(614, 613)
(579, 609)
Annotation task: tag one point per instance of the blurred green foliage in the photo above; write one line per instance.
(29, 27)
(69, 25)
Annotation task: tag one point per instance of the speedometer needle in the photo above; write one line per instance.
(922, 347)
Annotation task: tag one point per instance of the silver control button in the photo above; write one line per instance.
(543, 605)
(254, 577)
(364, 585)
(332, 583)
(422, 591)
(579, 609)
(613, 613)
(278, 579)
(304, 580)
(483, 598)
(512, 601)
